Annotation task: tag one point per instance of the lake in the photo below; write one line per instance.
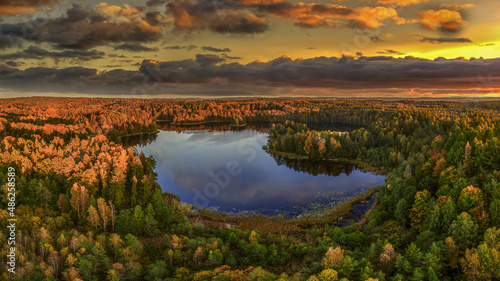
(228, 170)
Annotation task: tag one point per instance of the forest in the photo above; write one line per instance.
(88, 205)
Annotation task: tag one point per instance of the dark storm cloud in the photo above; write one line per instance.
(153, 18)
(178, 47)
(135, 47)
(117, 56)
(439, 40)
(49, 75)
(214, 49)
(253, 16)
(4, 3)
(345, 72)
(190, 15)
(14, 7)
(83, 28)
(14, 63)
(235, 22)
(5, 41)
(6, 70)
(74, 73)
(208, 60)
(224, 55)
(35, 52)
(390, 52)
(213, 72)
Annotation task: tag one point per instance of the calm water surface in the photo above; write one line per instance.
(229, 171)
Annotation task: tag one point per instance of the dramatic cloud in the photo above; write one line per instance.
(5, 41)
(390, 52)
(135, 47)
(253, 16)
(213, 49)
(6, 70)
(224, 55)
(401, 2)
(82, 28)
(35, 52)
(315, 15)
(340, 73)
(14, 63)
(178, 47)
(384, 73)
(457, 6)
(207, 60)
(440, 40)
(14, 7)
(445, 20)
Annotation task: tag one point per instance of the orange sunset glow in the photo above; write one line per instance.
(222, 48)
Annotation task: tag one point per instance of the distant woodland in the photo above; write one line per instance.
(89, 207)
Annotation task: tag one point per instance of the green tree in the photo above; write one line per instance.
(431, 275)
(149, 223)
(157, 271)
(419, 211)
(463, 230)
(495, 212)
(214, 259)
(401, 212)
(163, 213)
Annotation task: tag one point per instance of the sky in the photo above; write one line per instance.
(230, 48)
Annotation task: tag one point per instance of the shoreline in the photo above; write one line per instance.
(140, 133)
(275, 224)
(357, 162)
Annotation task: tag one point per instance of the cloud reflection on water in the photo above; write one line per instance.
(185, 159)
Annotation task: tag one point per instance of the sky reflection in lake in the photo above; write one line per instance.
(230, 170)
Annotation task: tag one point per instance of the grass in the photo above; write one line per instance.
(278, 224)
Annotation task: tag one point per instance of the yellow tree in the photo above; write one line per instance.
(104, 211)
(333, 257)
(116, 242)
(74, 243)
(419, 211)
(54, 260)
(93, 217)
(112, 214)
(454, 252)
(387, 259)
(198, 255)
(472, 266)
(79, 198)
